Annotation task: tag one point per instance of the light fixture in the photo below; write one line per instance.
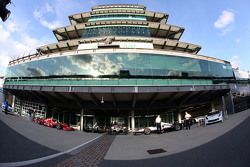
(102, 101)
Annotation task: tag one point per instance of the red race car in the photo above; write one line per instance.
(53, 123)
(50, 122)
(64, 126)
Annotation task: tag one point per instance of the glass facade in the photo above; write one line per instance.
(134, 64)
(117, 17)
(116, 31)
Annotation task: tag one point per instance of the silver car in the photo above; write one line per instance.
(213, 117)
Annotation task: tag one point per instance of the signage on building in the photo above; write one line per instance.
(86, 46)
(132, 45)
(124, 45)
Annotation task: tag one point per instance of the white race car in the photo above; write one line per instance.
(164, 127)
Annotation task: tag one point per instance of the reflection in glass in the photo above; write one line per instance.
(137, 64)
(116, 31)
(117, 17)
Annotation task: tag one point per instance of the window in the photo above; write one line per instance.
(137, 64)
(116, 31)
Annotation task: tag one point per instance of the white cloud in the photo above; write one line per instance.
(11, 46)
(49, 8)
(235, 62)
(45, 12)
(237, 40)
(224, 22)
(53, 14)
(225, 19)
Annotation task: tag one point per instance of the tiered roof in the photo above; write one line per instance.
(163, 36)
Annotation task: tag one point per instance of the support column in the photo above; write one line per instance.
(94, 119)
(133, 120)
(212, 106)
(179, 117)
(232, 101)
(82, 121)
(224, 107)
(13, 102)
(129, 123)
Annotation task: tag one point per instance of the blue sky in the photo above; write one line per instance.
(221, 27)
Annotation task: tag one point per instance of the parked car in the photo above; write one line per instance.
(53, 123)
(213, 117)
(200, 120)
(50, 122)
(64, 126)
(118, 128)
(95, 128)
(9, 108)
(39, 120)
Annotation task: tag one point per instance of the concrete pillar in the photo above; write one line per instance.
(224, 108)
(13, 102)
(179, 117)
(45, 111)
(129, 123)
(94, 119)
(232, 101)
(212, 106)
(21, 108)
(82, 121)
(133, 120)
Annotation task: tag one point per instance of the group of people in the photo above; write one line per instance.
(187, 122)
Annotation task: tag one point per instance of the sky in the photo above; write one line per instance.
(221, 27)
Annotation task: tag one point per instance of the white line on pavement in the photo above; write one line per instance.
(33, 161)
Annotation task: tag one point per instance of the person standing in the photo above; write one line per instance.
(33, 115)
(30, 111)
(187, 120)
(158, 123)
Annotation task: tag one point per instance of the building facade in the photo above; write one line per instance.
(118, 63)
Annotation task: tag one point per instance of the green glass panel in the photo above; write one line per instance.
(111, 82)
(116, 30)
(117, 17)
(136, 64)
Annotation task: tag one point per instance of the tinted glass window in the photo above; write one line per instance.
(213, 113)
(138, 64)
(117, 17)
(116, 31)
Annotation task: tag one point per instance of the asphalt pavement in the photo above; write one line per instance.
(16, 147)
(130, 147)
(52, 138)
(231, 150)
(221, 144)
